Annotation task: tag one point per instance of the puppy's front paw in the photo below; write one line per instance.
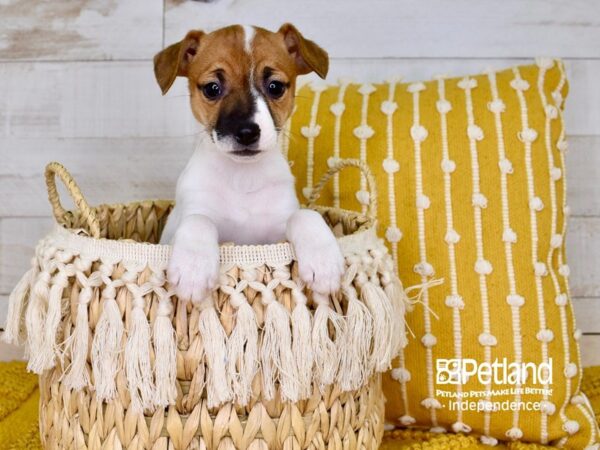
(320, 264)
(194, 272)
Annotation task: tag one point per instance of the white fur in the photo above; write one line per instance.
(262, 117)
(320, 262)
(249, 32)
(223, 199)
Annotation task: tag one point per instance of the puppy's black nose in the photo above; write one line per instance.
(247, 134)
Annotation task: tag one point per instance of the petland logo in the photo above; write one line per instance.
(459, 371)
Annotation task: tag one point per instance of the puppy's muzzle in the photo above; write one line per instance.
(247, 137)
(247, 134)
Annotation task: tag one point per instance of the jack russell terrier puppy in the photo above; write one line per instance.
(237, 187)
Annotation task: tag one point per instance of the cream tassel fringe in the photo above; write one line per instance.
(395, 292)
(54, 314)
(165, 351)
(214, 341)
(77, 376)
(106, 345)
(14, 331)
(137, 352)
(276, 351)
(242, 346)
(355, 369)
(383, 326)
(325, 349)
(301, 343)
(34, 321)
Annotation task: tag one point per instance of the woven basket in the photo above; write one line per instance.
(264, 364)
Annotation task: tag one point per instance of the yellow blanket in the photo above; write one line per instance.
(19, 417)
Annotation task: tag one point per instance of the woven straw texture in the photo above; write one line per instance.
(471, 178)
(263, 363)
(19, 417)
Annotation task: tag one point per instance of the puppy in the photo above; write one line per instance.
(237, 187)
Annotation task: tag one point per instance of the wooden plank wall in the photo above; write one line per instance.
(76, 85)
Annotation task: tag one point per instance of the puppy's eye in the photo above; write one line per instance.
(275, 88)
(212, 90)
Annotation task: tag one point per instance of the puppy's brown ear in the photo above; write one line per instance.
(309, 56)
(174, 60)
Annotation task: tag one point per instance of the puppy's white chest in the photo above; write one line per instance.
(248, 204)
(256, 217)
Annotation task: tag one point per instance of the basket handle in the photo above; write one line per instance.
(55, 169)
(339, 166)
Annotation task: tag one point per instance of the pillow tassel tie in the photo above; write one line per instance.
(214, 340)
(411, 301)
(76, 374)
(165, 350)
(14, 331)
(325, 348)
(242, 345)
(108, 336)
(138, 368)
(276, 350)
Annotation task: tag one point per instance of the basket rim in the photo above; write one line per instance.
(281, 253)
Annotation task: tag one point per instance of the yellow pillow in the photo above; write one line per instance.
(472, 190)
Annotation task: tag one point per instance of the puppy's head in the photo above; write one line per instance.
(242, 81)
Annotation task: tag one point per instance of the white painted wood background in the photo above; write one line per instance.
(76, 85)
